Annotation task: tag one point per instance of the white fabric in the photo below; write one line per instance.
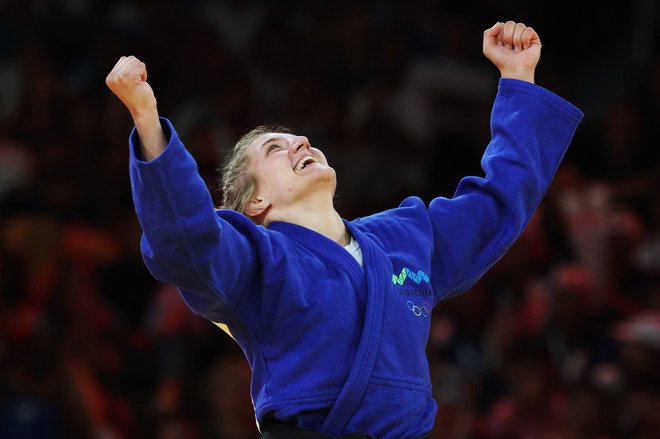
(354, 249)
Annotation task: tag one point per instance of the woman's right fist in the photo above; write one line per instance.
(128, 81)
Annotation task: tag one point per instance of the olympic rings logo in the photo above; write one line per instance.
(423, 310)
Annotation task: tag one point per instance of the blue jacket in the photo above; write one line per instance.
(336, 346)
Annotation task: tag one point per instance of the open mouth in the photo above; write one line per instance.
(304, 162)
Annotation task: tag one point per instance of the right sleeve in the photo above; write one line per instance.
(184, 241)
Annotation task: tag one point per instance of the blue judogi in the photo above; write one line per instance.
(338, 347)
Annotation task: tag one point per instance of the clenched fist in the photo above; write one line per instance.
(514, 48)
(128, 80)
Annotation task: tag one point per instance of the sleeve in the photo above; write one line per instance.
(531, 129)
(185, 242)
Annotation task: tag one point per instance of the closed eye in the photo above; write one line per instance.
(272, 147)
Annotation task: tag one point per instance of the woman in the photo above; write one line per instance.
(336, 339)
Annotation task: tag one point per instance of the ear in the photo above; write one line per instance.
(256, 207)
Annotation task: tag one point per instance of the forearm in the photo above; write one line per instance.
(150, 132)
(128, 81)
(531, 131)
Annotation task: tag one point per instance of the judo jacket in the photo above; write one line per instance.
(332, 345)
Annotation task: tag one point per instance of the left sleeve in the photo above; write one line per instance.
(531, 129)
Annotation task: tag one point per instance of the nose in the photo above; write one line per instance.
(300, 143)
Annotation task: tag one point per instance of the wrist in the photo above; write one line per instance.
(144, 114)
(150, 132)
(522, 74)
(145, 120)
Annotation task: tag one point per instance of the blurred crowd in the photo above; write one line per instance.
(561, 339)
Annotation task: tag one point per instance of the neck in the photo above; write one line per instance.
(320, 217)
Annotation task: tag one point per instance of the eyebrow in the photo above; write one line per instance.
(271, 140)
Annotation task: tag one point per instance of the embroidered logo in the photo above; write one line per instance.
(406, 273)
(420, 310)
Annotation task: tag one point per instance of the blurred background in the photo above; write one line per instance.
(561, 339)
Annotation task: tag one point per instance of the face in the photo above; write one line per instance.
(290, 174)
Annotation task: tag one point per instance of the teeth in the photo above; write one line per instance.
(304, 162)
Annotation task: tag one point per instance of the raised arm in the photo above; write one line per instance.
(531, 129)
(185, 241)
(128, 80)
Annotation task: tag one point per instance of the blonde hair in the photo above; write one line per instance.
(236, 182)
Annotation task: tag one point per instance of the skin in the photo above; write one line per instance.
(284, 193)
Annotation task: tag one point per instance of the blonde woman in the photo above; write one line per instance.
(333, 315)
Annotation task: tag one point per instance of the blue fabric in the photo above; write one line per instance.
(335, 346)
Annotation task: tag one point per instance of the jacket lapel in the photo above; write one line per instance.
(365, 356)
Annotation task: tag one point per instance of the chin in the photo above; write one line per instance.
(324, 181)
(325, 172)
